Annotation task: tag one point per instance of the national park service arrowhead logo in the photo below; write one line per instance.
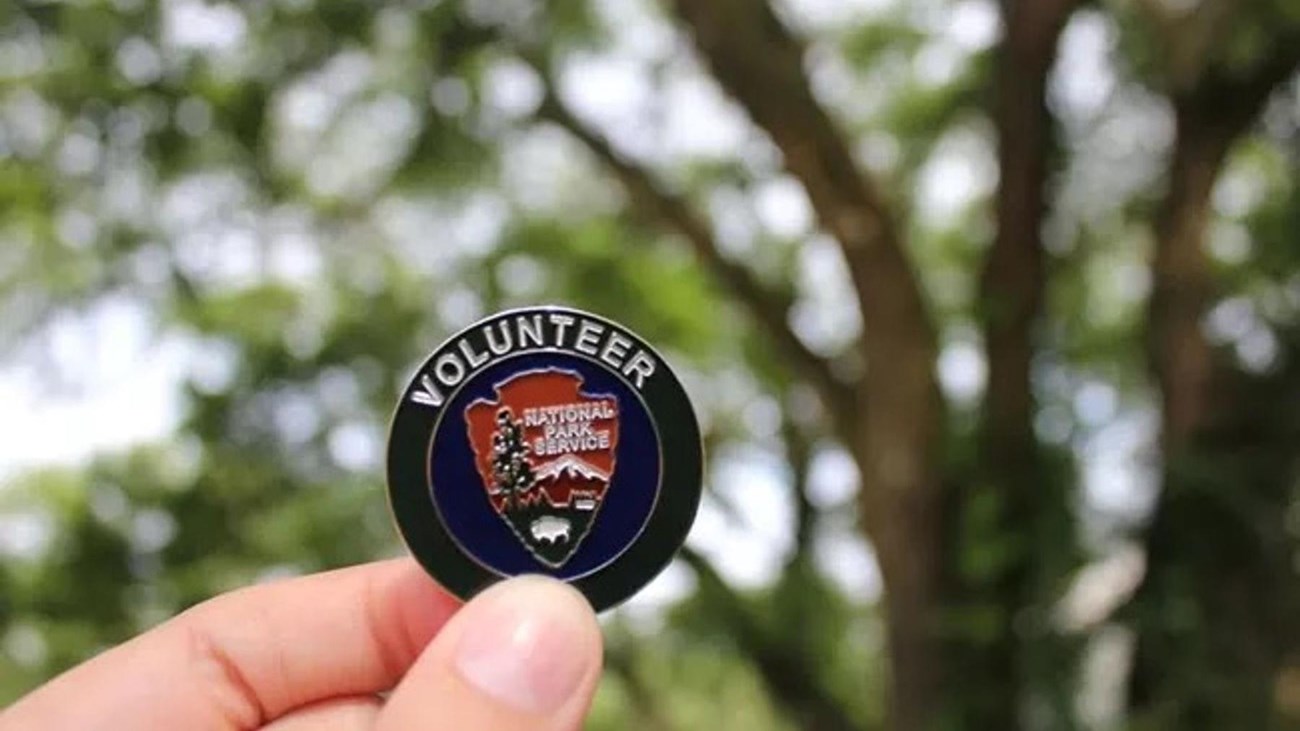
(545, 451)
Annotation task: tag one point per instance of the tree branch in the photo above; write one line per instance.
(768, 308)
(1208, 120)
(1230, 102)
(787, 673)
(799, 455)
(1188, 37)
(1190, 55)
(1012, 283)
(1162, 18)
(760, 64)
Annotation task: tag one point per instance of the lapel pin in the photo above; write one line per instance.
(545, 440)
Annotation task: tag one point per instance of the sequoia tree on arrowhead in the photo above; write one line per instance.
(511, 470)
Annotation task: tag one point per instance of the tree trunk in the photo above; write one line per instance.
(900, 412)
(905, 528)
(1204, 657)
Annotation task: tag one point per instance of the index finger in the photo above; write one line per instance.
(245, 658)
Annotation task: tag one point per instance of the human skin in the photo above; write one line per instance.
(377, 646)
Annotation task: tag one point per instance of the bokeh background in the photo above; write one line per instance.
(988, 310)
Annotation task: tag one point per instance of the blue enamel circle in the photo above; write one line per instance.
(462, 502)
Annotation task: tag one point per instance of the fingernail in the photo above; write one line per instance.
(529, 647)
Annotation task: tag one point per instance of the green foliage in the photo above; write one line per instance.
(864, 45)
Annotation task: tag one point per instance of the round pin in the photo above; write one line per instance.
(545, 440)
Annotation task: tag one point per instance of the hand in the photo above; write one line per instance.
(313, 653)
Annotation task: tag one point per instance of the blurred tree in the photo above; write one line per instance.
(913, 238)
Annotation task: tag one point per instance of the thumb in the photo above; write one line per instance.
(524, 654)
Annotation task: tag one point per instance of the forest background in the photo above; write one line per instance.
(989, 311)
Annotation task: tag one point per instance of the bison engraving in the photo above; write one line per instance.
(550, 529)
